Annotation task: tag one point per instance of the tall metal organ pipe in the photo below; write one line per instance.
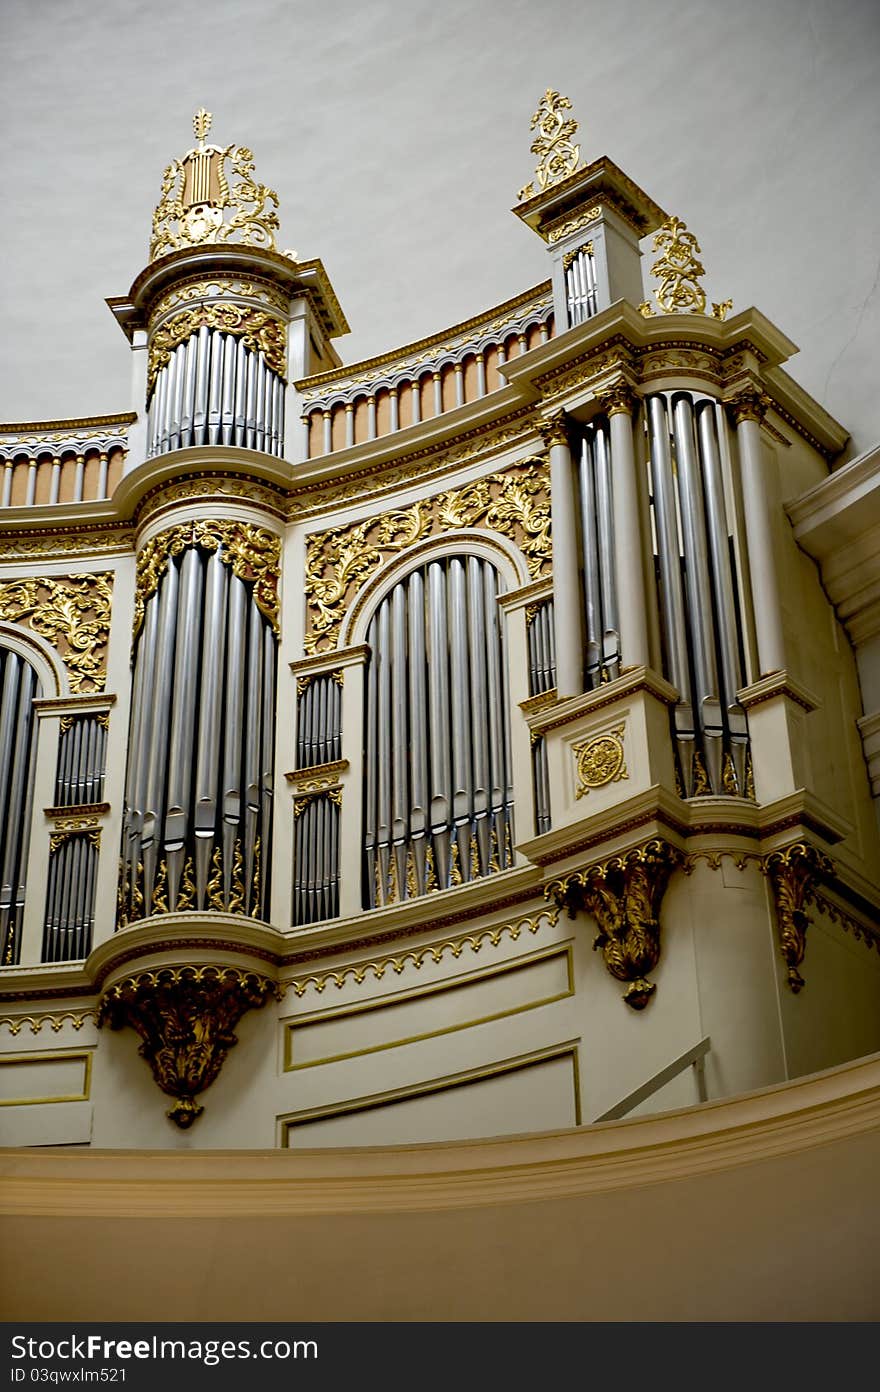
(215, 390)
(700, 618)
(597, 533)
(198, 805)
(542, 677)
(438, 790)
(19, 686)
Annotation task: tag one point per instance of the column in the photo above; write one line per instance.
(629, 571)
(566, 575)
(747, 410)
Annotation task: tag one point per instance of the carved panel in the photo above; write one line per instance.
(515, 502)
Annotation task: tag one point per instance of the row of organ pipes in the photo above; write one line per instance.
(316, 858)
(19, 687)
(542, 677)
(601, 627)
(199, 784)
(82, 756)
(70, 898)
(319, 720)
(438, 794)
(699, 610)
(216, 391)
(581, 290)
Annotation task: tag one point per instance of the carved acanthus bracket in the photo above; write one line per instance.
(624, 895)
(185, 1017)
(794, 874)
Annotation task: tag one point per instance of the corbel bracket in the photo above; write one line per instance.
(794, 873)
(624, 894)
(185, 1017)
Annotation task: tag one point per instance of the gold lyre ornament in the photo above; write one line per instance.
(557, 155)
(678, 270)
(197, 192)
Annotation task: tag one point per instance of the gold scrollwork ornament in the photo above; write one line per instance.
(557, 155)
(72, 612)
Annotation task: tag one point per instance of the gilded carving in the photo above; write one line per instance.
(565, 229)
(678, 269)
(219, 288)
(77, 1019)
(557, 155)
(303, 797)
(553, 428)
(260, 331)
(91, 834)
(196, 191)
(599, 760)
(49, 543)
(416, 957)
(624, 896)
(253, 553)
(185, 1017)
(749, 405)
(515, 503)
(617, 399)
(794, 875)
(72, 612)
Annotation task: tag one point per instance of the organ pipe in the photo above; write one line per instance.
(215, 390)
(597, 539)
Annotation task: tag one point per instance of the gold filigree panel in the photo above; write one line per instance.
(72, 612)
(253, 553)
(515, 502)
(260, 332)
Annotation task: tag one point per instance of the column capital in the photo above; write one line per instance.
(553, 428)
(617, 399)
(750, 403)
